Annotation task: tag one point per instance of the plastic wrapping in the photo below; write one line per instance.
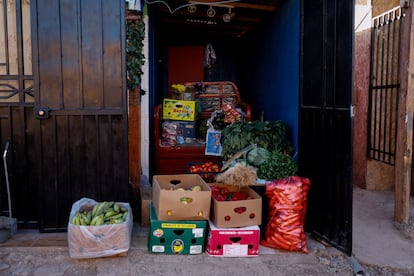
(287, 209)
(98, 241)
(171, 134)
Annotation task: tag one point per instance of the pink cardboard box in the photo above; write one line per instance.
(233, 242)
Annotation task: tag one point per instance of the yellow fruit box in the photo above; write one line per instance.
(179, 110)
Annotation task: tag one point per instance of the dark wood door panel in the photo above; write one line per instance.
(81, 132)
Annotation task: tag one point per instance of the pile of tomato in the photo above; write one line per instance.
(207, 170)
(224, 194)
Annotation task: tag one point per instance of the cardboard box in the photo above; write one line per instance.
(179, 110)
(233, 242)
(174, 200)
(188, 129)
(186, 96)
(238, 213)
(98, 241)
(145, 199)
(176, 237)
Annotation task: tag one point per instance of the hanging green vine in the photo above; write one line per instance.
(135, 33)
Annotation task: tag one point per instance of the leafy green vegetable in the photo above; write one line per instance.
(257, 156)
(270, 135)
(279, 165)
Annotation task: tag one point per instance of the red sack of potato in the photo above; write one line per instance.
(287, 209)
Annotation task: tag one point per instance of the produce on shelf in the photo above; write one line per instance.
(278, 165)
(270, 135)
(224, 194)
(179, 87)
(239, 175)
(207, 170)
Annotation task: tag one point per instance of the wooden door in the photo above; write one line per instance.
(80, 104)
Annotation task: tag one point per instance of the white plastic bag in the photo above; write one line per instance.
(98, 241)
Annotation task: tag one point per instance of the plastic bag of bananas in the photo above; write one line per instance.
(99, 229)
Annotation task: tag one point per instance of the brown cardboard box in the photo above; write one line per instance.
(238, 213)
(145, 199)
(98, 241)
(170, 203)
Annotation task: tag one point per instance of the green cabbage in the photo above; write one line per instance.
(257, 156)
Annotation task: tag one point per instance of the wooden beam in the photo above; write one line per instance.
(405, 120)
(134, 140)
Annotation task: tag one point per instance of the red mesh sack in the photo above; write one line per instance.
(287, 209)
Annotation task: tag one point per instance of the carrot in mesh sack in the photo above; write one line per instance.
(287, 209)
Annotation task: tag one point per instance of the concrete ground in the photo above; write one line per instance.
(379, 248)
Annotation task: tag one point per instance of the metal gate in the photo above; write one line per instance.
(325, 126)
(384, 86)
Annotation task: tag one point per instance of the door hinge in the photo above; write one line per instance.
(351, 111)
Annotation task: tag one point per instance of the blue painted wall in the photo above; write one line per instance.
(270, 74)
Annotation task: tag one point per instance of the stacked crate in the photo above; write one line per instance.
(234, 224)
(180, 209)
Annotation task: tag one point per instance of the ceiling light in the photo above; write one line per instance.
(211, 12)
(227, 16)
(192, 9)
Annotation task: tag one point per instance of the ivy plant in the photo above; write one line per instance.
(135, 58)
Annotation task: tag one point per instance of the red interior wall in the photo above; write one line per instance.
(185, 64)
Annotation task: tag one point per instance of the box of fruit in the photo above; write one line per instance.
(181, 197)
(234, 206)
(207, 170)
(99, 229)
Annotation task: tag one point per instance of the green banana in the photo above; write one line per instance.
(95, 208)
(75, 219)
(99, 210)
(117, 208)
(119, 215)
(108, 206)
(119, 220)
(111, 213)
(94, 220)
(89, 216)
(125, 215)
(100, 220)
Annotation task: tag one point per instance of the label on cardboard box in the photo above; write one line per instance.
(235, 250)
(179, 110)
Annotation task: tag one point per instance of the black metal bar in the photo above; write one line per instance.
(384, 86)
(392, 106)
(376, 81)
(386, 91)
